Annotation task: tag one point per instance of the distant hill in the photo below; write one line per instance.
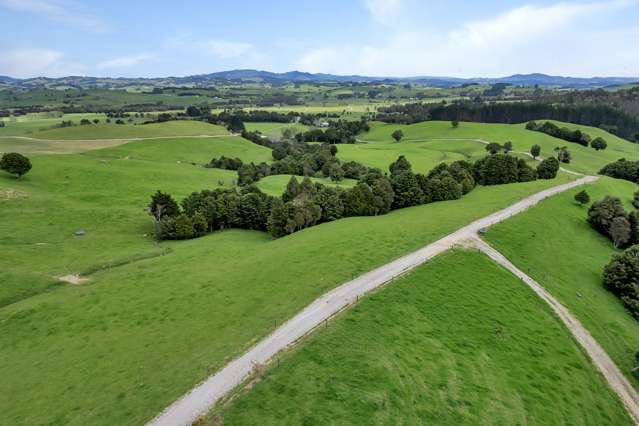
(249, 75)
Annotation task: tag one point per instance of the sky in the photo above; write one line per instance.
(489, 38)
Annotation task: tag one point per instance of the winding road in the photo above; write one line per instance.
(204, 396)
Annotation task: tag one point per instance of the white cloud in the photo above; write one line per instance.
(383, 10)
(556, 38)
(58, 10)
(25, 63)
(125, 61)
(227, 49)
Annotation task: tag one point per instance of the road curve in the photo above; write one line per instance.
(200, 399)
(615, 378)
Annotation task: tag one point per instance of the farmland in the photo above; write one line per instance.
(454, 342)
(147, 304)
(567, 256)
(151, 319)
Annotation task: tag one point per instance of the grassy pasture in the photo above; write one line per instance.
(276, 185)
(458, 341)
(556, 246)
(274, 130)
(585, 159)
(123, 131)
(105, 193)
(150, 329)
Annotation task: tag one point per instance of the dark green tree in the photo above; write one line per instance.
(406, 189)
(397, 135)
(292, 190)
(163, 205)
(16, 164)
(535, 150)
(582, 197)
(548, 168)
(621, 277)
(602, 213)
(493, 148)
(401, 165)
(508, 146)
(599, 144)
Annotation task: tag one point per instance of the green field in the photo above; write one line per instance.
(585, 159)
(458, 341)
(558, 248)
(103, 192)
(274, 130)
(276, 185)
(116, 131)
(148, 330)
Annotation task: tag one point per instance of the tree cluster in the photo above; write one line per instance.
(225, 163)
(609, 218)
(340, 131)
(551, 129)
(208, 211)
(622, 169)
(498, 169)
(621, 277)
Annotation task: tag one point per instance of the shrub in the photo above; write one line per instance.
(16, 164)
(622, 169)
(602, 213)
(397, 135)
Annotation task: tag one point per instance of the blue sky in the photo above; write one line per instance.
(371, 37)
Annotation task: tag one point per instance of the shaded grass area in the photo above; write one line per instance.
(458, 341)
(555, 245)
(585, 159)
(148, 331)
(276, 185)
(104, 193)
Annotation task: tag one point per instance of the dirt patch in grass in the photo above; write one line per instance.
(11, 194)
(74, 279)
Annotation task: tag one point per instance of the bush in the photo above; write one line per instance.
(621, 277)
(599, 144)
(397, 135)
(582, 197)
(16, 164)
(535, 150)
(548, 168)
(602, 213)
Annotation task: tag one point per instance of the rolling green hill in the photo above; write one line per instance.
(149, 330)
(458, 341)
(585, 159)
(555, 245)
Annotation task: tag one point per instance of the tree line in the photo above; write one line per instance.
(306, 204)
(575, 136)
(621, 274)
(603, 116)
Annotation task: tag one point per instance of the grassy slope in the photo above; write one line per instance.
(422, 155)
(148, 331)
(585, 159)
(115, 131)
(556, 246)
(455, 342)
(276, 185)
(275, 129)
(105, 193)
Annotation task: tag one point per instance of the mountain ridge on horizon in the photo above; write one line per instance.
(239, 75)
